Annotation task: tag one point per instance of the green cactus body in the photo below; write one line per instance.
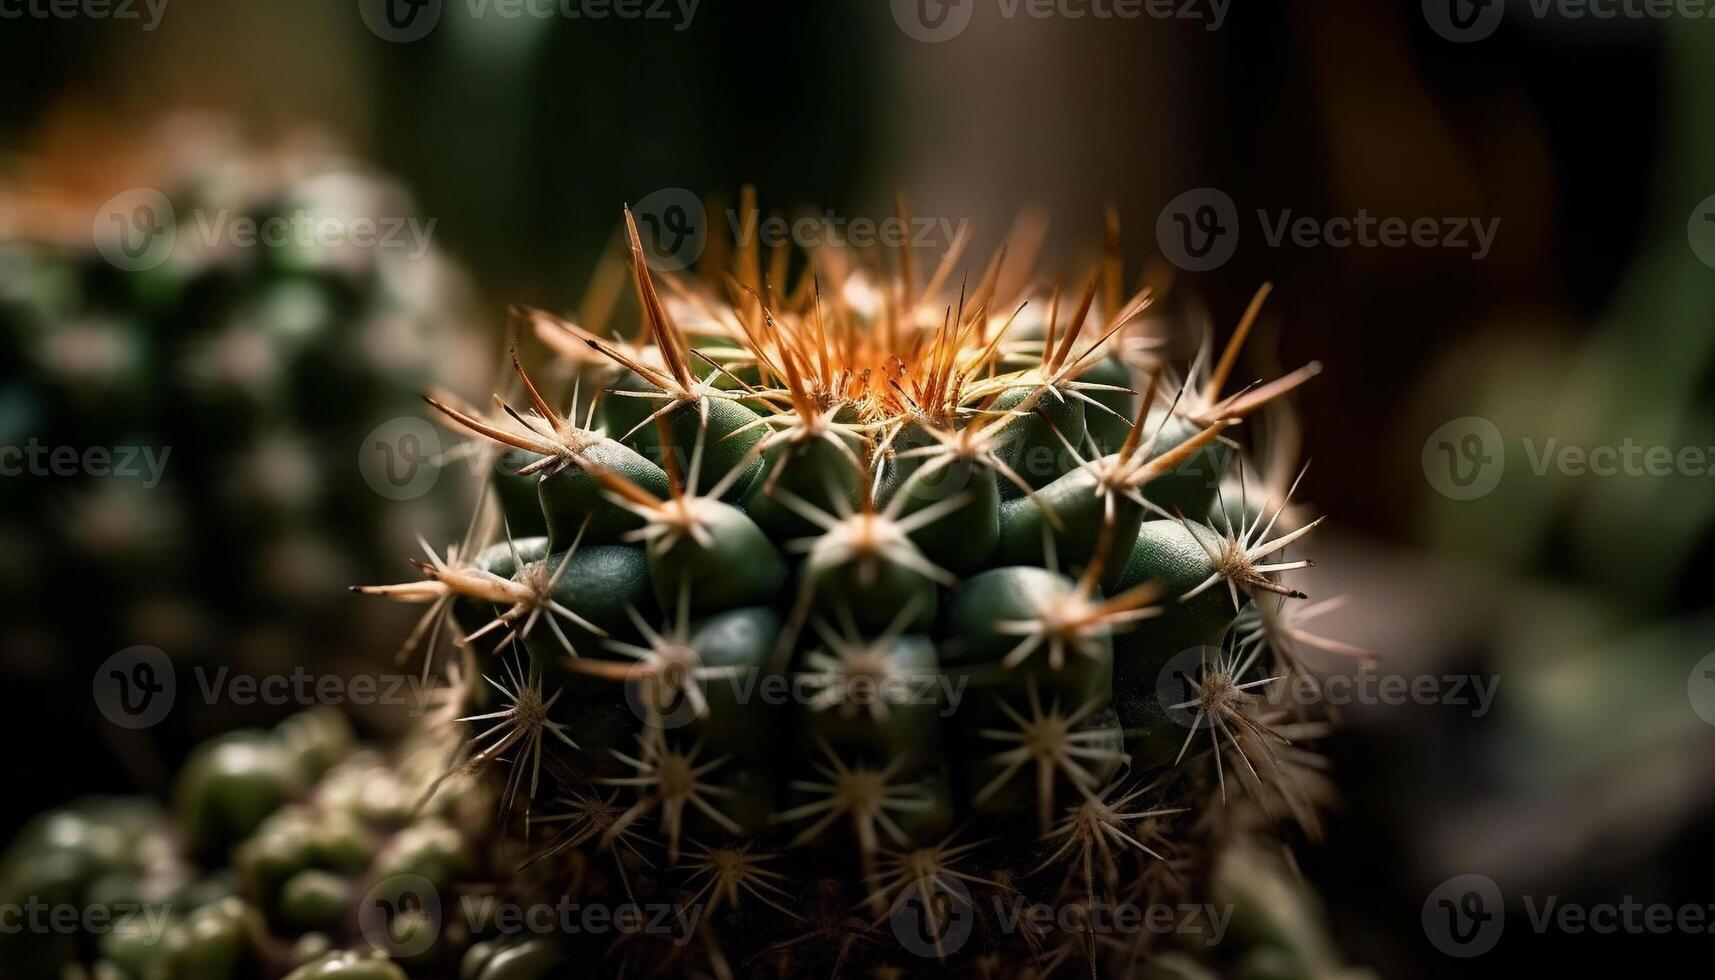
(237, 396)
(572, 495)
(965, 540)
(1036, 442)
(1108, 429)
(736, 566)
(814, 471)
(881, 618)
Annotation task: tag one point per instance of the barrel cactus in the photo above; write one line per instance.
(184, 422)
(861, 624)
(853, 611)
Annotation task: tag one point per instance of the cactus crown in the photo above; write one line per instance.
(847, 580)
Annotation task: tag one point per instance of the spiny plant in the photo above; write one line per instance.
(848, 620)
(273, 841)
(249, 375)
(875, 588)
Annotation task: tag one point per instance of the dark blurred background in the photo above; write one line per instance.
(1587, 142)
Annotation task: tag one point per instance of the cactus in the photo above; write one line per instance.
(229, 389)
(851, 624)
(273, 839)
(966, 541)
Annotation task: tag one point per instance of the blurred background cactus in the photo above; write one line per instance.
(273, 839)
(194, 426)
(228, 384)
